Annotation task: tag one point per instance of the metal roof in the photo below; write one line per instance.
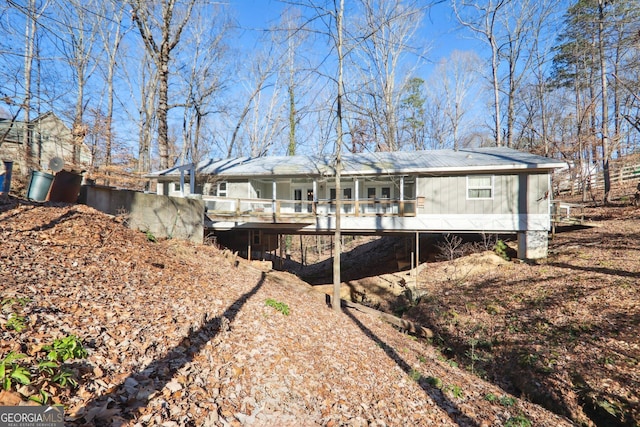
(371, 164)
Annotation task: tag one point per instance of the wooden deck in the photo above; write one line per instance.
(564, 213)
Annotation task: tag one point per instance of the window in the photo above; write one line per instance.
(386, 193)
(371, 193)
(480, 187)
(347, 193)
(297, 195)
(221, 189)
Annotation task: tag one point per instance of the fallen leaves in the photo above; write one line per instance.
(179, 334)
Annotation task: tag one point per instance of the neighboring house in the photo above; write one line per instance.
(50, 137)
(484, 190)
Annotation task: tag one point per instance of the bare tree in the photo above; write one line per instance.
(541, 49)
(32, 11)
(382, 41)
(161, 25)
(482, 19)
(339, 43)
(148, 102)
(263, 68)
(606, 151)
(32, 16)
(293, 40)
(79, 29)
(266, 121)
(112, 32)
(437, 127)
(452, 84)
(203, 77)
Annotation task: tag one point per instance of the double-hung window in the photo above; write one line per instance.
(479, 187)
(221, 189)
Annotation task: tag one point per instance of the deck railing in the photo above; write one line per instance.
(238, 207)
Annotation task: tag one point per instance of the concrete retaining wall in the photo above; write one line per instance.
(163, 216)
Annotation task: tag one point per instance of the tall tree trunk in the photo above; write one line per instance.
(496, 89)
(616, 102)
(111, 66)
(338, 231)
(148, 90)
(605, 105)
(30, 30)
(160, 53)
(291, 150)
(292, 98)
(163, 107)
(78, 130)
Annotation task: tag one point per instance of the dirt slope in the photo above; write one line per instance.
(179, 334)
(564, 332)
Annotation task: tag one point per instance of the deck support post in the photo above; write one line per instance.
(249, 245)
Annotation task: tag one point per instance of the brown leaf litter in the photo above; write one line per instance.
(179, 334)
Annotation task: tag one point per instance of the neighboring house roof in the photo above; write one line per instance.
(43, 116)
(371, 164)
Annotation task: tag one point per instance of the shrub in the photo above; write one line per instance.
(501, 249)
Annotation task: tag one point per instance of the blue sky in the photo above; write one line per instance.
(440, 29)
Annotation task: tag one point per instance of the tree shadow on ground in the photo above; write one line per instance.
(101, 409)
(511, 354)
(434, 393)
(62, 218)
(592, 269)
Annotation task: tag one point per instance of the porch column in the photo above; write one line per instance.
(356, 196)
(192, 179)
(273, 197)
(315, 196)
(182, 182)
(401, 204)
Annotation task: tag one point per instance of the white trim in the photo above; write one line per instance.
(463, 223)
(490, 188)
(226, 189)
